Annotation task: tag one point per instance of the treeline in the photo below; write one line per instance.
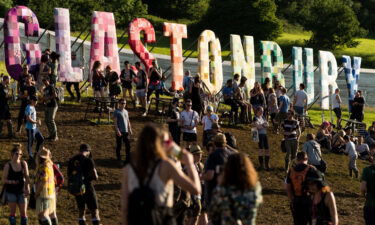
(333, 23)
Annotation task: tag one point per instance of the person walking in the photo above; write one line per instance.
(75, 63)
(207, 121)
(291, 136)
(300, 201)
(152, 172)
(27, 91)
(261, 125)
(236, 199)
(353, 156)
(5, 95)
(188, 121)
(300, 100)
(155, 75)
(17, 185)
(314, 154)
(336, 106)
(368, 190)
(284, 105)
(82, 166)
(45, 188)
(123, 129)
(324, 209)
(32, 130)
(51, 103)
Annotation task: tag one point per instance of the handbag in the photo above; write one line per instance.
(3, 199)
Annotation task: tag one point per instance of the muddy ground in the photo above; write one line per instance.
(73, 131)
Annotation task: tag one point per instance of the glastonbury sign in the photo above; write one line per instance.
(104, 48)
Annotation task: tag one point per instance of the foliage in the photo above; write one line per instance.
(366, 14)
(125, 10)
(243, 17)
(178, 9)
(4, 6)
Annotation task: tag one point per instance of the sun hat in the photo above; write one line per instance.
(317, 177)
(44, 153)
(195, 149)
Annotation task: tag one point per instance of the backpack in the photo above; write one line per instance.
(298, 178)
(76, 185)
(142, 206)
(59, 177)
(231, 140)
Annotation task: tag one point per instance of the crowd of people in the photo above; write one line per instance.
(165, 178)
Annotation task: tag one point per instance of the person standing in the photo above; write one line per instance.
(17, 181)
(272, 107)
(155, 75)
(300, 100)
(368, 190)
(261, 125)
(188, 80)
(126, 76)
(44, 71)
(123, 129)
(324, 209)
(236, 199)
(189, 120)
(257, 97)
(300, 201)
(291, 137)
(358, 106)
(32, 130)
(228, 95)
(141, 87)
(195, 93)
(207, 121)
(353, 156)
(50, 100)
(113, 80)
(83, 164)
(75, 63)
(27, 91)
(173, 121)
(98, 80)
(45, 189)
(54, 64)
(284, 104)
(4, 106)
(336, 106)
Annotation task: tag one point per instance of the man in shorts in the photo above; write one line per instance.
(188, 121)
(83, 162)
(141, 87)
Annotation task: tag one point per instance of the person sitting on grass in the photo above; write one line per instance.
(338, 143)
(353, 155)
(362, 149)
(323, 136)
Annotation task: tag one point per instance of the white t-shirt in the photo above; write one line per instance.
(362, 148)
(301, 98)
(335, 103)
(207, 121)
(350, 149)
(189, 119)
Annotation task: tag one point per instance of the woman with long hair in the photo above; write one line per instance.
(151, 167)
(16, 181)
(45, 188)
(257, 97)
(324, 210)
(237, 197)
(98, 80)
(323, 136)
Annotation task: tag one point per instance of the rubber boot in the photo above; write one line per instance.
(96, 222)
(82, 222)
(54, 221)
(261, 166)
(10, 129)
(45, 221)
(267, 162)
(24, 220)
(12, 220)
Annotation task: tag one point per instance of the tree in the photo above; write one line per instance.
(5, 5)
(243, 17)
(178, 9)
(366, 14)
(333, 24)
(126, 10)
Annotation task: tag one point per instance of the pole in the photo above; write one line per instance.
(80, 35)
(80, 45)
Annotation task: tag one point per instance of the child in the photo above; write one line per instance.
(362, 149)
(195, 208)
(352, 153)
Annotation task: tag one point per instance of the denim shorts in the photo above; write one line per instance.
(16, 198)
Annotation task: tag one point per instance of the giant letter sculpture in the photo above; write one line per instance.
(271, 69)
(176, 32)
(104, 40)
(67, 73)
(328, 76)
(303, 71)
(136, 26)
(12, 39)
(352, 76)
(243, 61)
(207, 40)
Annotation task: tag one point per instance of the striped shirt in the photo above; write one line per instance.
(290, 129)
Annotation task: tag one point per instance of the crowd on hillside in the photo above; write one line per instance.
(165, 178)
